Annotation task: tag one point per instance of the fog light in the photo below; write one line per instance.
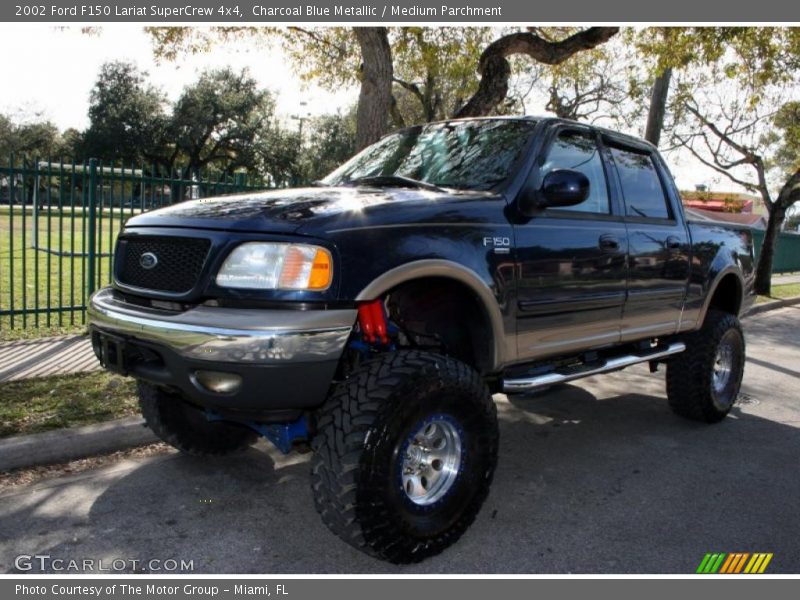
(221, 383)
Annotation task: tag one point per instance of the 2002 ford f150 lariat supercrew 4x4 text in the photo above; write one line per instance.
(373, 315)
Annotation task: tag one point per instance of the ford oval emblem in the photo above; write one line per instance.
(148, 260)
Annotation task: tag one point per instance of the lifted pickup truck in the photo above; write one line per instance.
(373, 315)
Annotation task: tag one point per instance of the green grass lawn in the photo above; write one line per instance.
(781, 292)
(31, 277)
(36, 405)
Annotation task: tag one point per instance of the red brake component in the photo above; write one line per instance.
(372, 319)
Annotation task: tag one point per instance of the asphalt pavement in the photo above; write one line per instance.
(595, 477)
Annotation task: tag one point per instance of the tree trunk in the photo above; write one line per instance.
(495, 72)
(375, 97)
(658, 107)
(790, 193)
(763, 283)
(397, 118)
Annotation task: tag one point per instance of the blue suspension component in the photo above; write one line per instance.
(365, 348)
(282, 435)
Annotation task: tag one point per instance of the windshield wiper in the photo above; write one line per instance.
(395, 180)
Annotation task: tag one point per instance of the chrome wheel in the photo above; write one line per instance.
(723, 365)
(431, 461)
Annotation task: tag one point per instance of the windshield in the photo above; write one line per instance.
(471, 155)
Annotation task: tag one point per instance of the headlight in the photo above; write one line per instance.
(273, 266)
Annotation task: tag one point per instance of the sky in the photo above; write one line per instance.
(55, 74)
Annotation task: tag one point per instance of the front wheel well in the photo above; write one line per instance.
(445, 313)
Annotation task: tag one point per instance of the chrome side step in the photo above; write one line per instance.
(525, 384)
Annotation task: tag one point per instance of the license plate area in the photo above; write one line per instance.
(110, 351)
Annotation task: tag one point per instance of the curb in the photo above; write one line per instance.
(63, 445)
(772, 305)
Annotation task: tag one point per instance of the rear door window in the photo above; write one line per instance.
(641, 186)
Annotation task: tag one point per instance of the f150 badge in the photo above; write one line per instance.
(501, 245)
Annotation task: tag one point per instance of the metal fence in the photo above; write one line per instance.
(787, 251)
(58, 227)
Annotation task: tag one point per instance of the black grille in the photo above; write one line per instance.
(178, 264)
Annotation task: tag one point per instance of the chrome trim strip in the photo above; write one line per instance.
(248, 336)
(516, 386)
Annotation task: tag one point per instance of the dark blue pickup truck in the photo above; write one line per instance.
(372, 316)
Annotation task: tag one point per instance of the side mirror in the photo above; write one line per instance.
(564, 187)
(561, 187)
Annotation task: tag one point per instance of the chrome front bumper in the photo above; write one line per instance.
(230, 335)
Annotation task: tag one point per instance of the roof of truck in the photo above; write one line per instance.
(620, 136)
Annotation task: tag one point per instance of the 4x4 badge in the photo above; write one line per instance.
(148, 260)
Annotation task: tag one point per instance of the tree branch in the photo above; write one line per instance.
(686, 143)
(495, 69)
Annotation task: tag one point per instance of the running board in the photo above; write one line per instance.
(526, 384)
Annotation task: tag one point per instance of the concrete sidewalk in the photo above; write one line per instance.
(43, 357)
(786, 279)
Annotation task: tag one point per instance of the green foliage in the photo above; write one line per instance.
(34, 138)
(328, 141)
(755, 56)
(787, 137)
(333, 141)
(219, 119)
(434, 67)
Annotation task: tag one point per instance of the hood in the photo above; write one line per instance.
(289, 210)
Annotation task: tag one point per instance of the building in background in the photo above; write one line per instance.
(725, 207)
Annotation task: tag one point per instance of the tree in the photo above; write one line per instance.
(429, 69)
(726, 133)
(787, 142)
(434, 70)
(285, 159)
(658, 106)
(127, 117)
(72, 144)
(406, 73)
(32, 137)
(218, 120)
(280, 158)
(753, 56)
(597, 84)
(375, 96)
(495, 69)
(333, 141)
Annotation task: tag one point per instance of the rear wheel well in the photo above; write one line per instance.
(444, 312)
(727, 296)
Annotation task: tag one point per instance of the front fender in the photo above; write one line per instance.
(503, 352)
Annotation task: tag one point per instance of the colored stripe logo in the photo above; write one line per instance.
(737, 562)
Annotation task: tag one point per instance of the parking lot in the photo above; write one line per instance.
(596, 477)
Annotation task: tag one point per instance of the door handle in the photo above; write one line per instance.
(609, 243)
(673, 243)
